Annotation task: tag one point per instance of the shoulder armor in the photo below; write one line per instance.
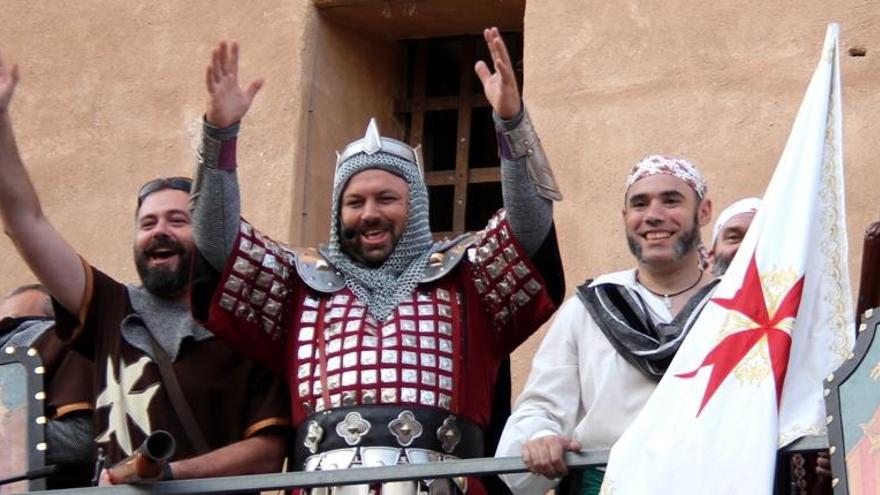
(447, 255)
(314, 269)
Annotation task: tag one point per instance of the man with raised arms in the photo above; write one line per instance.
(227, 414)
(390, 341)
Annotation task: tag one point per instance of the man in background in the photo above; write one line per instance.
(27, 320)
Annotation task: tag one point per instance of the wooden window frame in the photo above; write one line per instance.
(464, 102)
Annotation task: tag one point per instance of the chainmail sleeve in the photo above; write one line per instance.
(216, 204)
(527, 183)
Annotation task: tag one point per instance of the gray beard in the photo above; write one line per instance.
(720, 265)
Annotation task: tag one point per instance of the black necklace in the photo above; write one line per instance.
(667, 298)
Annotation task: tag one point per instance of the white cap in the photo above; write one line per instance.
(747, 205)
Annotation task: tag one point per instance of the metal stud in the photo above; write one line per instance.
(521, 298)
(313, 436)
(427, 398)
(227, 302)
(244, 267)
(408, 394)
(349, 378)
(304, 351)
(389, 395)
(443, 295)
(533, 287)
(429, 378)
(368, 358)
(389, 356)
(428, 360)
(445, 328)
(368, 377)
(446, 382)
(409, 358)
(409, 376)
(233, 284)
(445, 364)
(306, 334)
(334, 363)
(388, 375)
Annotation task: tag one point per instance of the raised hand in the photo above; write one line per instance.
(8, 80)
(500, 88)
(227, 101)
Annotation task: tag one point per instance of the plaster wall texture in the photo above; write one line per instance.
(717, 82)
(112, 95)
(354, 77)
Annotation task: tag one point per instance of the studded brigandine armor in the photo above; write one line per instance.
(435, 357)
(394, 364)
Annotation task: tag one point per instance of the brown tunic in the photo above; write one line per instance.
(231, 397)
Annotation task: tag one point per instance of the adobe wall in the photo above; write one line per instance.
(112, 95)
(717, 82)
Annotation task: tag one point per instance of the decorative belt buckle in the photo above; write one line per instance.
(449, 434)
(405, 428)
(353, 428)
(313, 436)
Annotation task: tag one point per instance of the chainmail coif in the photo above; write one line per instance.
(383, 288)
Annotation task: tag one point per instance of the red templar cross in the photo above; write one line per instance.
(749, 301)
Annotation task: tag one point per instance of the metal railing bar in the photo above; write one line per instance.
(448, 469)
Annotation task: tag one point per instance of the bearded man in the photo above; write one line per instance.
(729, 230)
(155, 368)
(611, 343)
(390, 341)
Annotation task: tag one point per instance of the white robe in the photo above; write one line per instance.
(579, 386)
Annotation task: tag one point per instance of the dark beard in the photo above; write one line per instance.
(164, 282)
(350, 244)
(684, 245)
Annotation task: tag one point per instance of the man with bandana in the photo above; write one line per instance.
(611, 343)
(390, 341)
(226, 416)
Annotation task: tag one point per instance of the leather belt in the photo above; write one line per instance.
(387, 426)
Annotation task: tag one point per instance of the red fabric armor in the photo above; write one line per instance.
(439, 349)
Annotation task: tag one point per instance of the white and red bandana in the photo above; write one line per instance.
(669, 165)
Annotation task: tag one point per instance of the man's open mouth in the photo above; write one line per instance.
(657, 235)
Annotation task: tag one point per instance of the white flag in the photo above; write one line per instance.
(748, 378)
